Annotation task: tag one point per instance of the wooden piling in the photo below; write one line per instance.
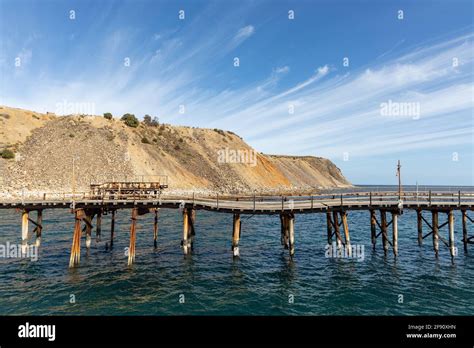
(112, 229)
(285, 231)
(464, 230)
(39, 226)
(155, 229)
(435, 231)
(291, 233)
(236, 235)
(336, 229)
(373, 228)
(395, 233)
(191, 231)
(133, 234)
(76, 240)
(98, 225)
(329, 227)
(88, 221)
(420, 226)
(451, 234)
(186, 244)
(24, 231)
(383, 218)
(346, 233)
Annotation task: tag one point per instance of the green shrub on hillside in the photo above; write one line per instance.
(7, 154)
(130, 120)
(108, 115)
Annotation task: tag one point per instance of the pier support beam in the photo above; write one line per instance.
(346, 233)
(435, 232)
(291, 232)
(285, 240)
(88, 221)
(24, 231)
(373, 228)
(155, 229)
(236, 235)
(329, 227)
(39, 227)
(112, 229)
(383, 218)
(186, 243)
(76, 240)
(98, 228)
(464, 230)
(452, 249)
(395, 233)
(133, 234)
(336, 229)
(420, 226)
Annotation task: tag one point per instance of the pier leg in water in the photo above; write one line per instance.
(420, 227)
(39, 227)
(291, 232)
(191, 231)
(329, 227)
(395, 233)
(186, 243)
(383, 218)
(336, 229)
(112, 229)
(373, 228)
(155, 229)
(452, 249)
(464, 230)
(98, 226)
(133, 234)
(76, 240)
(346, 233)
(24, 231)
(236, 235)
(285, 237)
(435, 232)
(88, 221)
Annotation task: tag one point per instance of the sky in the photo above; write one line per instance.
(363, 83)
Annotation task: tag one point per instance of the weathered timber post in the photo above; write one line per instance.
(420, 226)
(76, 239)
(133, 236)
(464, 230)
(336, 229)
(451, 234)
(285, 231)
(373, 227)
(435, 232)
(112, 229)
(98, 227)
(346, 233)
(155, 229)
(383, 218)
(39, 226)
(185, 243)
(329, 227)
(191, 231)
(291, 233)
(24, 231)
(236, 235)
(395, 233)
(88, 221)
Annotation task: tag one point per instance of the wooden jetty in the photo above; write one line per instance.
(384, 210)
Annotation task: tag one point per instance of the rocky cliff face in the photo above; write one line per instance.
(194, 159)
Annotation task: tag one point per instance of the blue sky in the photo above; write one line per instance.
(290, 94)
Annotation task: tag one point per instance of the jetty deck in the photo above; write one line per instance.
(336, 206)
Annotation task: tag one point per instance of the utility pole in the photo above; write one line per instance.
(399, 180)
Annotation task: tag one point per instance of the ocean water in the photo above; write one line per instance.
(263, 281)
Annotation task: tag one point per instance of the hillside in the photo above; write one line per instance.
(194, 159)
